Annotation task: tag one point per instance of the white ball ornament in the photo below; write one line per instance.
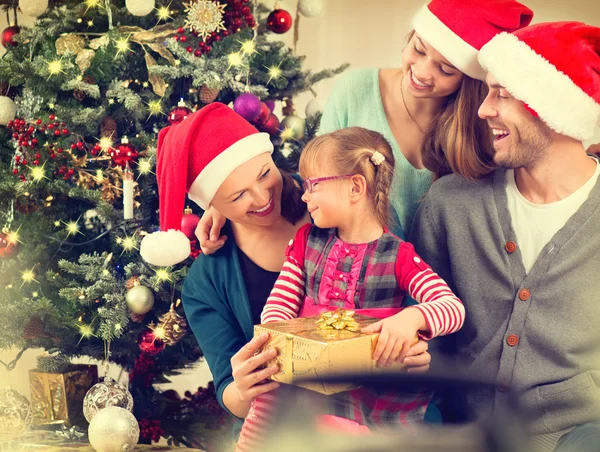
(114, 429)
(33, 8)
(140, 7)
(8, 110)
(313, 108)
(310, 8)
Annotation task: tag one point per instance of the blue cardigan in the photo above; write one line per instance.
(217, 308)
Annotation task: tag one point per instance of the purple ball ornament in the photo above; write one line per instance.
(247, 106)
(270, 104)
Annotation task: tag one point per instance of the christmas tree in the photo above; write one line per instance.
(83, 95)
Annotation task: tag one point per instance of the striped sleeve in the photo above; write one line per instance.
(288, 292)
(287, 295)
(443, 311)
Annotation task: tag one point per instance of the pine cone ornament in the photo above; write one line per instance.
(80, 95)
(287, 107)
(172, 326)
(133, 281)
(108, 127)
(34, 328)
(26, 204)
(208, 95)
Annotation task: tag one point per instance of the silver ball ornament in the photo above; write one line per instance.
(114, 429)
(139, 299)
(140, 7)
(313, 108)
(310, 8)
(15, 414)
(8, 110)
(105, 394)
(33, 8)
(295, 124)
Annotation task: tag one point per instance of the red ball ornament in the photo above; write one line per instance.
(149, 343)
(271, 126)
(279, 21)
(8, 34)
(8, 248)
(123, 153)
(179, 113)
(189, 221)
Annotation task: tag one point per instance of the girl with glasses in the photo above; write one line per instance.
(348, 259)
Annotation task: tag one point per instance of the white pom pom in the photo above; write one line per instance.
(33, 8)
(8, 110)
(165, 248)
(313, 108)
(139, 7)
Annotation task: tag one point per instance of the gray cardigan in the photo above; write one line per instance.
(544, 341)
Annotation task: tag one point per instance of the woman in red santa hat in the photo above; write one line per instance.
(427, 108)
(220, 160)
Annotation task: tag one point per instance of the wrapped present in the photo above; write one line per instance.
(58, 397)
(328, 344)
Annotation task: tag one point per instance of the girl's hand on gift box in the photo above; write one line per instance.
(208, 231)
(396, 336)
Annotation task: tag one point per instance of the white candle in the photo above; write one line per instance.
(128, 193)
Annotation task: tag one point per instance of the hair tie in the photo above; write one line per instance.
(377, 158)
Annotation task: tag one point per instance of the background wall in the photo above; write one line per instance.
(362, 33)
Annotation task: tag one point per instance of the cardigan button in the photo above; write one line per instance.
(512, 340)
(524, 294)
(510, 246)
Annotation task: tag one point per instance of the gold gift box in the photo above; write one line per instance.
(57, 397)
(308, 349)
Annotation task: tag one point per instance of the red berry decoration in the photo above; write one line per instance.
(149, 343)
(179, 113)
(8, 34)
(279, 21)
(8, 248)
(123, 153)
(52, 117)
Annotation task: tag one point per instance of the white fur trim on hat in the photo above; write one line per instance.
(207, 183)
(532, 79)
(461, 54)
(165, 248)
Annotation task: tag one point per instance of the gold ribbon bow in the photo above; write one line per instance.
(340, 319)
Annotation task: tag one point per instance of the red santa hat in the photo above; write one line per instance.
(459, 28)
(554, 68)
(195, 157)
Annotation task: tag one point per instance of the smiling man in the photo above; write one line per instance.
(520, 248)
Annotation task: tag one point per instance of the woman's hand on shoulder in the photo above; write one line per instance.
(208, 231)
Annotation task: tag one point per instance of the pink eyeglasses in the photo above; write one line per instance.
(310, 182)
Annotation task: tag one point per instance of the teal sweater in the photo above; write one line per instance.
(217, 308)
(356, 101)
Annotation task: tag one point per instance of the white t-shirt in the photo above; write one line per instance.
(536, 224)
